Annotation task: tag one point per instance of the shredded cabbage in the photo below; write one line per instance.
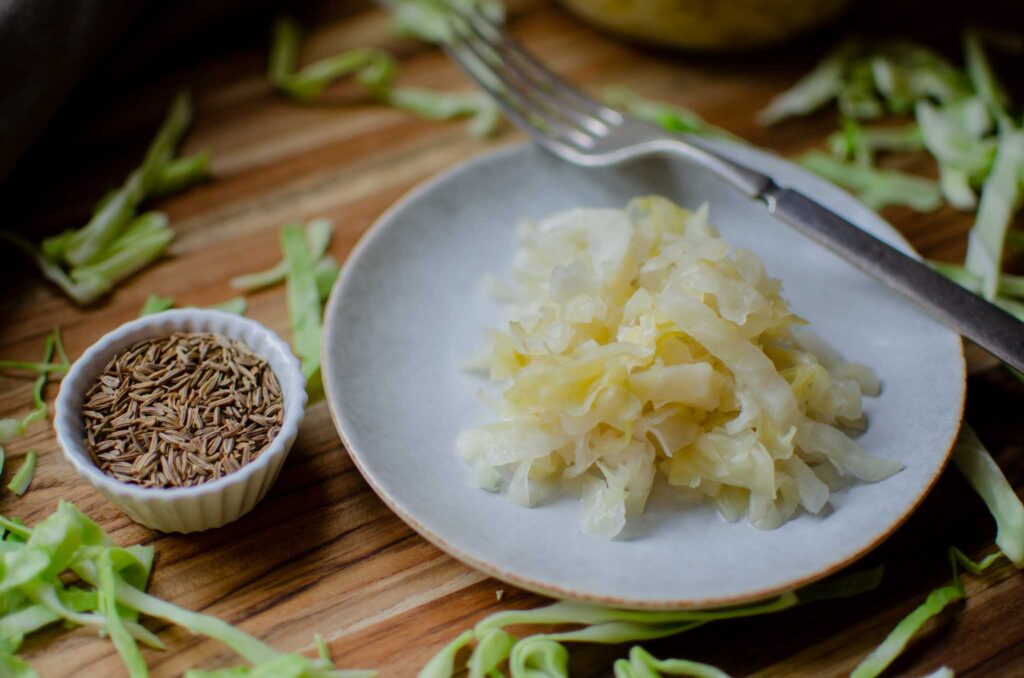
(376, 70)
(108, 593)
(234, 306)
(815, 89)
(539, 657)
(181, 173)
(156, 304)
(493, 647)
(304, 307)
(869, 80)
(117, 242)
(639, 345)
(443, 663)
(1000, 198)
(671, 117)
(543, 655)
(23, 478)
(984, 78)
(16, 428)
(982, 472)
(430, 20)
(877, 188)
(318, 238)
(862, 143)
(894, 644)
(642, 664)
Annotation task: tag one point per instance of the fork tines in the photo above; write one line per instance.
(555, 113)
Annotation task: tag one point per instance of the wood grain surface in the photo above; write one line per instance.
(321, 553)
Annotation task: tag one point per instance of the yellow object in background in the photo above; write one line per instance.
(712, 25)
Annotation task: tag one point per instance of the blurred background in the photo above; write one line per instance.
(87, 80)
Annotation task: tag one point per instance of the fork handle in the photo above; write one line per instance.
(982, 322)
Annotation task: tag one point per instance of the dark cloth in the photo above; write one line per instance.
(49, 47)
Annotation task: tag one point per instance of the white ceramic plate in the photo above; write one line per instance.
(409, 309)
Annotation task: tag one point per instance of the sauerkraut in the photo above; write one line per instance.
(639, 344)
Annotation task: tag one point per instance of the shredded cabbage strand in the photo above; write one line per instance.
(542, 655)
(983, 474)
(376, 69)
(638, 344)
(894, 644)
(36, 564)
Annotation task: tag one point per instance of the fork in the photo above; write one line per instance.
(574, 127)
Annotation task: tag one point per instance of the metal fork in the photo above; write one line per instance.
(574, 127)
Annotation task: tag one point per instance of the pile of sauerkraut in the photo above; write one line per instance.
(640, 344)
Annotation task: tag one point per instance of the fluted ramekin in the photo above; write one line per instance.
(212, 504)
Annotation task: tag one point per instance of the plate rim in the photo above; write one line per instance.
(550, 590)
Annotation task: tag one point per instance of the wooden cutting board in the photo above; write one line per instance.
(322, 553)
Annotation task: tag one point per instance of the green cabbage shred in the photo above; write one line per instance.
(671, 117)
(304, 306)
(642, 664)
(182, 173)
(862, 144)
(878, 188)
(544, 655)
(23, 477)
(156, 304)
(428, 20)
(117, 242)
(937, 600)
(1000, 198)
(375, 69)
(814, 90)
(318, 238)
(67, 569)
(982, 472)
(16, 428)
(964, 119)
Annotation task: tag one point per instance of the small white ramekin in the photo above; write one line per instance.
(212, 504)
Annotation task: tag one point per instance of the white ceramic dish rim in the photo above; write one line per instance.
(79, 378)
(498, 155)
